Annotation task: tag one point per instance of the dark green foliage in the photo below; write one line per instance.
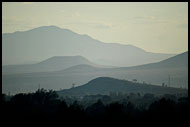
(45, 109)
(41, 96)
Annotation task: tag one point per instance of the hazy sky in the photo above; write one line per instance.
(155, 27)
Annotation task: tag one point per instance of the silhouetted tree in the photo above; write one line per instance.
(3, 98)
(45, 109)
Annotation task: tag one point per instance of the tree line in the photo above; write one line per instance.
(46, 108)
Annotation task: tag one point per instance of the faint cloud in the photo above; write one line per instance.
(27, 3)
(62, 11)
(102, 26)
(11, 21)
(162, 37)
(184, 25)
(75, 14)
(148, 20)
(95, 24)
(138, 18)
(144, 17)
(152, 17)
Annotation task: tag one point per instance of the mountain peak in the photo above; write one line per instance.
(51, 27)
(105, 85)
(53, 40)
(60, 59)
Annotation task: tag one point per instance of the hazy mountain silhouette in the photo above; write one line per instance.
(51, 64)
(178, 61)
(175, 62)
(48, 41)
(155, 73)
(105, 85)
(81, 68)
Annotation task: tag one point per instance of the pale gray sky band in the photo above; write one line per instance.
(154, 27)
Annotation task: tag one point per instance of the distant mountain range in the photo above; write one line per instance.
(106, 85)
(48, 41)
(51, 64)
(175, 68)
(178, 61)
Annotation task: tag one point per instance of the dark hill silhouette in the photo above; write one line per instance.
(105, 85)
(46, 41)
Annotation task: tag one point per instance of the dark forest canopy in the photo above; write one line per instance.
(45, 108)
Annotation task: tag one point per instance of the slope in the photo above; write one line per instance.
(105, 85)
(51, 64)
(155, 73)
(48, 41)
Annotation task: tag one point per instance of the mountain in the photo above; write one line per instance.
(82, 68)
(175, 62)
(155, 73)
(51, 64)
(178, 61)
(48, 41)
(105, 85)
(174, 69)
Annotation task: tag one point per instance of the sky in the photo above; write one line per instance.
(154, 27)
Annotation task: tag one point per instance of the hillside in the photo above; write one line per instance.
(54, 41)
(105, 85)
(178, 61)
(51, 64)
(155, 73)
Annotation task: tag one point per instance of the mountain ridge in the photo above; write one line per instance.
(181, 59)
(55, 41)
(55, 63)
(105, 85)
(81, 74)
